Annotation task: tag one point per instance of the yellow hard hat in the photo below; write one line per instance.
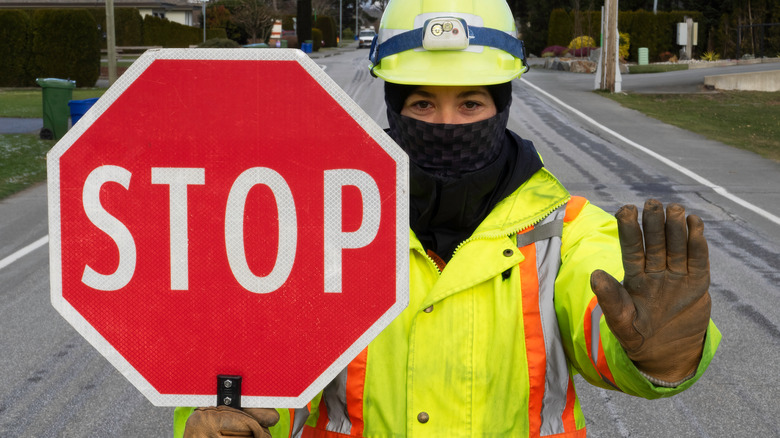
(447, 42)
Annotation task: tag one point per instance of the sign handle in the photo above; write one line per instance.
(229, 391)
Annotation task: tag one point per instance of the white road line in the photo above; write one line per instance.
(685, 171)
(24, 251)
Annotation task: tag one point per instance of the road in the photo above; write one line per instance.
(55, 384)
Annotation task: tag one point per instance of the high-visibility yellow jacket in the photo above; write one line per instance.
(488, 345)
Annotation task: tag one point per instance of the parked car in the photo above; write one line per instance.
(365, 38)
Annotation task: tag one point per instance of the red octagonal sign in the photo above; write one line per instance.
(228, 212)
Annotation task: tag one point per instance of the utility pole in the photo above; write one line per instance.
(111, 42)
(340, 10)
(608, 72)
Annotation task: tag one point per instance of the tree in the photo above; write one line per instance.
(256, 17)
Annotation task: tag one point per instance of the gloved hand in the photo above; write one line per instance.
(661, 311)
(224, 421)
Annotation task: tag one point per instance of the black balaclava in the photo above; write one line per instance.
(458, 173)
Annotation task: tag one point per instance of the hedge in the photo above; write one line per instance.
(66, 45)
(163, 32)
(15, 42)
(128, 25)
(657, 32)
(327, 25)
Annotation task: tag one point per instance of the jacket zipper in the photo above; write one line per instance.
(515, 231)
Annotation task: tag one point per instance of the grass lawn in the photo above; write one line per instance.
(743, 119)
(27, 102)
(656, 68)
(23, 161)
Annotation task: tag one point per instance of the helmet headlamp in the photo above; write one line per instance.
(445, 33)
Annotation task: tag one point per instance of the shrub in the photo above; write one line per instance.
(710, 56)
(316, 37)
(128, 26)
(583, 41)
(15, 40)
(666, 56)
(162, 32)
(66, 45)
(347, 34)
(552, 51)
(328, 27)
(219, 43)
(560, 28)
(581, 52)
(624, 45)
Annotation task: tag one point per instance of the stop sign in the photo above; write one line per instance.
(228, 212)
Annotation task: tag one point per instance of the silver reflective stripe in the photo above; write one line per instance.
(301, 415)
(547, 236)
(543, 231)
(335, 397)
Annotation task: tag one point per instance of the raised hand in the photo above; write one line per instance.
(661, 311)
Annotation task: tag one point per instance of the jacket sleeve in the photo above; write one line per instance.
(590, 242)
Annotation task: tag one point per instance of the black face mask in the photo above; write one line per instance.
(449, 151)
(458, 172)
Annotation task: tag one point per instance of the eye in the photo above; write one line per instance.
(421, 104)
(472, 105)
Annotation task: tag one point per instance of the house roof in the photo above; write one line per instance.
(161, 4)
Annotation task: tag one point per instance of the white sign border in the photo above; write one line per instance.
(364, 120)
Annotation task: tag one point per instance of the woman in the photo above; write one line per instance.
(509, 274)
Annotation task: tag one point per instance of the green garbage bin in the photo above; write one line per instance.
(56, 95)
(643, 56)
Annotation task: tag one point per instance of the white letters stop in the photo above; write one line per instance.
(178, 180)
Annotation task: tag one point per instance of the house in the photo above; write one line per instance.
(178, 11)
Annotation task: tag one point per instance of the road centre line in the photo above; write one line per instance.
(685, 171)
(24, 251)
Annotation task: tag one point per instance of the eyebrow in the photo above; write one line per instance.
(462, 95)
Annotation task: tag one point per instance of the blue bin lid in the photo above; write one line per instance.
(83, 102)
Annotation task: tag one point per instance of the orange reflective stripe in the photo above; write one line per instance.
(292, 420)
(574, 207)
(322, 411)
(534, 337)
(569, 421)
(588, 328)
(356, 383)
(600, 361)
(603, 368)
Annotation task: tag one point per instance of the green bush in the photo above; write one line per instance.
(15, 42)
(329, 29)
(219, 43)
(163, 32)
(347, 34)
(316, 37)
(560, 29)
(128, 26)
(656, 32)
(288, 23)
(66, 45)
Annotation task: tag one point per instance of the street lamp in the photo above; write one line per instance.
(203, 17)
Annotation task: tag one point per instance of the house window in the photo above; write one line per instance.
(159, 14)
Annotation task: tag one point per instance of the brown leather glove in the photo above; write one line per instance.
(224, 421)
(661, 311)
